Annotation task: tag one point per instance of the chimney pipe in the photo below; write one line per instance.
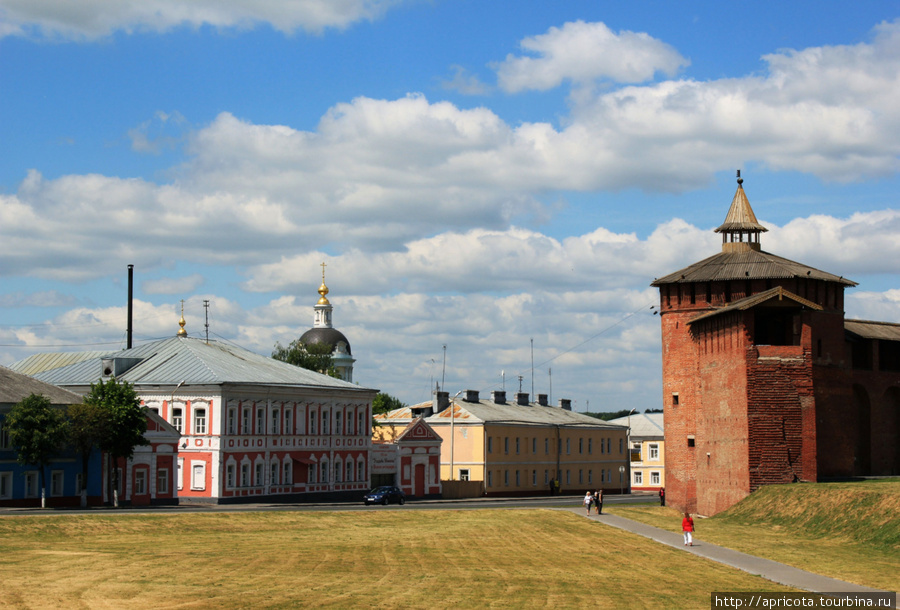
(542, 400)
(129, 330)
(522, 399)
(441, 401)
(499, 397)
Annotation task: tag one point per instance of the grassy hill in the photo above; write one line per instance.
(866, 512)
(849, 531)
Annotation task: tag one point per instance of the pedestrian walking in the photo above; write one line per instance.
(599, 497)
(687, 526)
(662, 496)
(588, 501)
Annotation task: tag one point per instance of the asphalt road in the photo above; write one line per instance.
(430, 504)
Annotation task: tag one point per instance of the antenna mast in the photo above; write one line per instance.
(444, 366)
(206, 307)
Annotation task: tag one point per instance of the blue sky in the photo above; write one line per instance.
(475, 174)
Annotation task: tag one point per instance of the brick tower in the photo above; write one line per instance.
(753, 355)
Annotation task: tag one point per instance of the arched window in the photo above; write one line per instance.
(349, 470)
(360, 470)
(338, 470)
(323, 470)
(287, 479)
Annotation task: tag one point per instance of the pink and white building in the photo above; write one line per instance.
(251, 427)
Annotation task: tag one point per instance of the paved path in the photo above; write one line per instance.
(771, 570)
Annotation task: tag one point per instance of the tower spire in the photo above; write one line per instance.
(740, 231)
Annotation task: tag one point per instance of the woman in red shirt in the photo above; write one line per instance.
(687, 526)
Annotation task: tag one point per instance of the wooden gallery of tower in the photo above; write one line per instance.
(764, 381)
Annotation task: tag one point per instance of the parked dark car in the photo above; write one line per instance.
(384, 495)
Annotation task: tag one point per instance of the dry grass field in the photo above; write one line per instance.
(384, 559)
(849, 531)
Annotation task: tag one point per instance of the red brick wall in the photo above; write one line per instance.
(780, 402)
(721, 452)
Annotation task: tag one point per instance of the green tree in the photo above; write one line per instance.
(37, 432)
(125, 423)
(383, 402)
(313, 356)
(87, 427)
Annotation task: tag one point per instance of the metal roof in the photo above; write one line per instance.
(15, 386)
(867, 329)
(170, 361)
(486, 411)
(747, 265)
(777, 293)
(643, 425)
(38, 363)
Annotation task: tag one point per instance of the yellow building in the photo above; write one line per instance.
(648, 450)
(520, 447)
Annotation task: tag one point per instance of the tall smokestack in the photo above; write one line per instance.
(130, 300)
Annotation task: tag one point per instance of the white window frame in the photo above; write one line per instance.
(57, 483)
(361, 470)
(230, 475)
(246, 419)
(198, 468)
(180, 473)
(232, 420)
(178, 419)
(655, 477)
(637, 477)
(259, 473)
(463, 474)
(287, 476)
(274, 471)
(348, 467)
(32, 484)
(200, 420)
(6, 482)
(653, 448)
(288, 421)
(275, 421)
(260, 420)
(162, 481)
(140, 482)
(245, 474)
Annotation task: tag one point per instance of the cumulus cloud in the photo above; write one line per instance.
(91, 19)
(584, 53)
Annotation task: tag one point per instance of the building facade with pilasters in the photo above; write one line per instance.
(252, 427)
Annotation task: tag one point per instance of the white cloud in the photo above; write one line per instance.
(180, 285)
(91, 19)
(586, 52)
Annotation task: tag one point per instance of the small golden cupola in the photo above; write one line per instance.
(740, 231)
(181, 322)
(323, 290)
